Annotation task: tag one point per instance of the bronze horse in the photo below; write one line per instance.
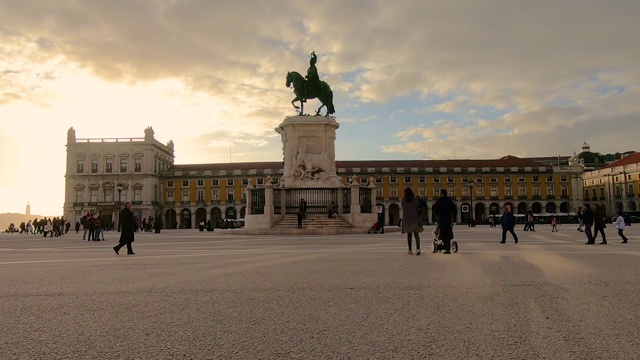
(323, 93)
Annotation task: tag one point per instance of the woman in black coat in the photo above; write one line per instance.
(128, 226)
(599, 224)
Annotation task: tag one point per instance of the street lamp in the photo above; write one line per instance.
(470, 185)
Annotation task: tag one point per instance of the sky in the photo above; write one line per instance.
(424, 79)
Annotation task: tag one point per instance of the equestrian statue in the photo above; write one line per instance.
(310, 87)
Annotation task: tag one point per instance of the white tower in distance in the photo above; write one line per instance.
(28, 212)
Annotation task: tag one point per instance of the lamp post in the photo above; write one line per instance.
(470, 185)
(119, 187)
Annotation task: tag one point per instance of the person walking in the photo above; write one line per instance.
(588, 218)
(508, 223)
(98, 228)
(527, 224)
(554, 224)
(444, 208)
(598, 224)
(300, 216)
(620, 225)
(84, 221)
(48, 228)
(580, 215)
(127, 229)
(330, 209)
(381, 223)
(411, 224)
(157, 224)
(303, 208)
(91, 222)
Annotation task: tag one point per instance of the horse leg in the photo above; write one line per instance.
(300, 98)
(320, 108)
(301, 107)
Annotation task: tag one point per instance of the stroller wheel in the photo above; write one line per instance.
(454, 246)
(434, 247)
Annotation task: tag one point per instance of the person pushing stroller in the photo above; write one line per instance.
(444, 208)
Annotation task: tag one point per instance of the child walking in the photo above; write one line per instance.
(620, 226)
(554, 224)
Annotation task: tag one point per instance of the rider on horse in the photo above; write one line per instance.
(312, 85)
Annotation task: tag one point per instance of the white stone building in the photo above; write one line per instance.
(104, 173)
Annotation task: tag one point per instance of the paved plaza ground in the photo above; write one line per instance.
(190, 295)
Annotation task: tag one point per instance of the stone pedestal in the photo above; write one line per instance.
(308, 146)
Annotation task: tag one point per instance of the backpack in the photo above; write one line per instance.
(83, 220)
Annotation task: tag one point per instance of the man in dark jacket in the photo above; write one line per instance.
(508, 223)
(444, 208)
(587, 219)
(128, 226)
(84, 221)
(157, 225)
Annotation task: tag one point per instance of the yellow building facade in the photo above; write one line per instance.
(479, 188)
(615, 186)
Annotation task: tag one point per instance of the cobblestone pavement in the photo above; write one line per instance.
(190, 295)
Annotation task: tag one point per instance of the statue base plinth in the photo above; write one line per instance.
(308, 145)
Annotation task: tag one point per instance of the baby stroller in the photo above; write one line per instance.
(438, 245)
(374, 229)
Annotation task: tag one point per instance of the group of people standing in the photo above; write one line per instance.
(412, 214)
(92, 225)
(596, 218)
(151, 224)
(56, 226)
(202, 226)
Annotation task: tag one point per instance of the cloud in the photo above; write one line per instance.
(490, 53)
(358, 120)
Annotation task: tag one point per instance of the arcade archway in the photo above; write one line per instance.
(216, 217)
(479, 212)
(170, 219)
(185, 219)
(550, 207)
(522, 208)
(201, 215)
(394, 214)
(536, 208)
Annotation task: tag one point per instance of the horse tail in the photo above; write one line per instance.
(330, 108)
(327, 97)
